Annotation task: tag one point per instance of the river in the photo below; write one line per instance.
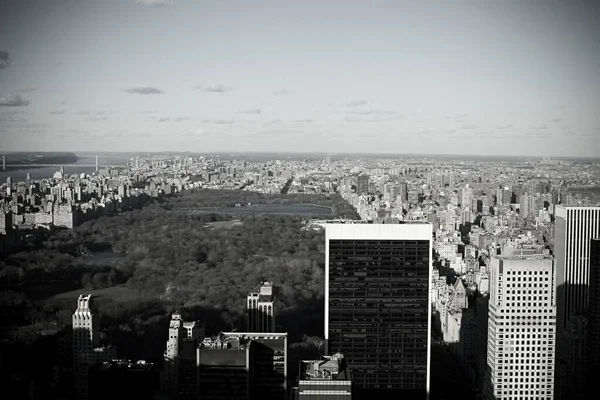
(74, 168)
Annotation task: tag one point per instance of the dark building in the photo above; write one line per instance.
(593, 328)
(325, 379)
(123, 380)
(362, 186)
(377, 306)
(242, 366)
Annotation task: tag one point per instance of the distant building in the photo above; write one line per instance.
(378, 307)
(325, 379)
(261, 314)
(242, 366)
(123, 380)
(362, 186)
(521, 328)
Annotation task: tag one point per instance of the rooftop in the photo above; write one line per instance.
(328, 368)
(523, 256)
(128, 365)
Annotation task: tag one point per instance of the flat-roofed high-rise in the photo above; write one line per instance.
(377, 305)
(575, 227)
(521, 328)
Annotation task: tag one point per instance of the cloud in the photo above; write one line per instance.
(4, 60)
(167, 119)
(83, 112)
(460, 117)
(542, 127)
(384, 119)
(13, 100)
(281, 92)
(27, 90)
(371, 112)
(143, 90)
(154, 3)
(195, 132)
(255, 111)
(213, 88)
(569, 133)
(468, 126)
(96, 118)
(58, 112)
(302, 121)
(505, 126)
(219, 121)
(557, 120)
(357, 103)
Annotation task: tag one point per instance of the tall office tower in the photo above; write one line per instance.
(499, 196)
(403, 189)
(261, 314)
(593, 329)
(362, 186)
(464, 196)
(524, 206)
(377, 305)
(96, 163)
(86, 341)
(169, 381)
(521, 328)
(575, 227)
(506, 195)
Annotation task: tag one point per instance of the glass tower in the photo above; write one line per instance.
(377, 305)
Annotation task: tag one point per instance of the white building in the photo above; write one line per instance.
(86, 345)
(521, 327)
(261, 315)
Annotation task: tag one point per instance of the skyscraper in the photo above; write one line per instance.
(362, 187)
(521, 328)
(86, 341)
(575, 227)
(593, 331)
(261, 314)
(377, 305)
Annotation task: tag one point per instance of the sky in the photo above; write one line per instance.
(383, 76)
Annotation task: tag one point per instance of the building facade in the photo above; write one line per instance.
(575, 227)
(521, 328)
(377, 305)
(593, 328)
(261, 313)
(86, 345)
(325, 379)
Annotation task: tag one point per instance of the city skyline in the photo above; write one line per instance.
(226, 76)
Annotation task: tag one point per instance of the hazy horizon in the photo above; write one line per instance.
(354, 77)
